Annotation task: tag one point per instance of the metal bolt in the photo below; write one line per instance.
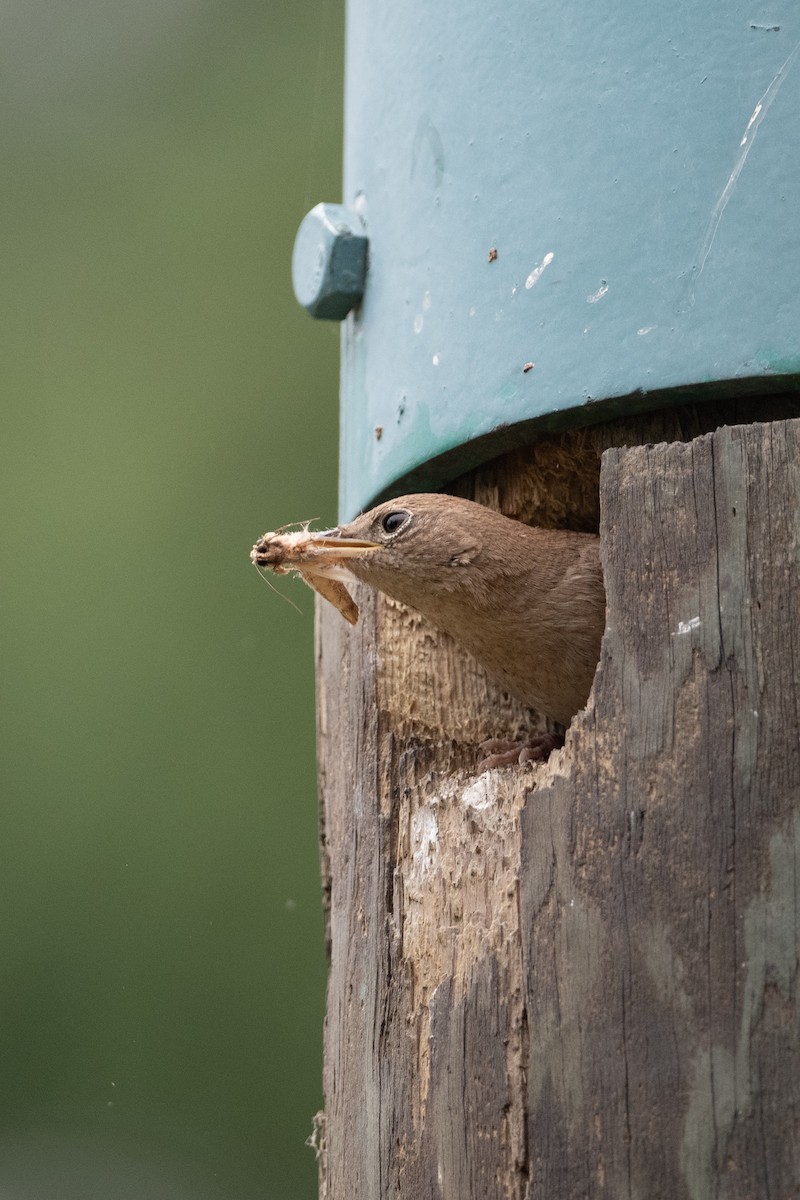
(329, 261)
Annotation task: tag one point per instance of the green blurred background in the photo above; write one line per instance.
(166, 401)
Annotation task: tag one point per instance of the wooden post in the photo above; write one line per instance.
(579, 980)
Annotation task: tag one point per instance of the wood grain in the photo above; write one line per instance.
(579, 980)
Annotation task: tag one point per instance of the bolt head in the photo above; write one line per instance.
(329, 262)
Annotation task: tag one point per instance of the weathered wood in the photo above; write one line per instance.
(581, 979)
(660, 855)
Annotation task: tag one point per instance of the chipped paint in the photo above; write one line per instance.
(598, 295)
(537, 272)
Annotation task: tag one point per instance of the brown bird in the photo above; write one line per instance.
(527, 603)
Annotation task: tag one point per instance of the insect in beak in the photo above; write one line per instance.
(320, 560)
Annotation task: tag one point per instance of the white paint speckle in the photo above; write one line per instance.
(598, 295)
(419, 321)
(436, 360)
(536, 273)
(426, 302)
(645, 330)
(687, 626)
(472, 311)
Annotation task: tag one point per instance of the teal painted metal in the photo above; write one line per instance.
(329, 262)
(637, 170)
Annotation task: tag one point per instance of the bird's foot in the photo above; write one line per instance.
(503, 752)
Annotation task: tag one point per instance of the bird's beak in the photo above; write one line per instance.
(329, 555)
(310, 553)
(329, 544)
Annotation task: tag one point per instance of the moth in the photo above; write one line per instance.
(319, 558)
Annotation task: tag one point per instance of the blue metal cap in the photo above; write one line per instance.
(573, 211)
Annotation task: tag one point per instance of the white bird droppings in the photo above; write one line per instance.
(477, 795)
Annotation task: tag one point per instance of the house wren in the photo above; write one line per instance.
(527, 603)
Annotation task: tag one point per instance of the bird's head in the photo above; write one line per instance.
(411, 545)
(429, 551)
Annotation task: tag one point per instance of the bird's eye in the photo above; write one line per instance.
(393, 520)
